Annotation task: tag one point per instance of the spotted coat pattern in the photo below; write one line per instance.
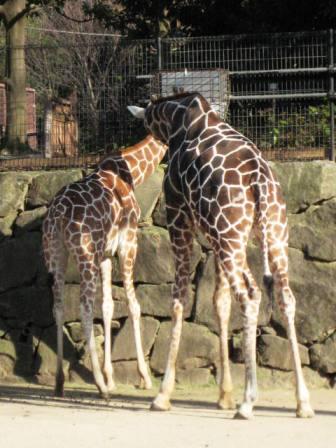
(92, 219)
(218, 182)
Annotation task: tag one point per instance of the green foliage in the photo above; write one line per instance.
(308, 127)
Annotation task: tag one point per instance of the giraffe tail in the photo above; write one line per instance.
(262, 219)
(269, 286)
(50, 279)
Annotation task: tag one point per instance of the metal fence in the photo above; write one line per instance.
(278, 90)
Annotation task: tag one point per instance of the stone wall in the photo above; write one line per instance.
(27, 330)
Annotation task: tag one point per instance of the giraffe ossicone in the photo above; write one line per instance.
(217, 181)
(91, 219)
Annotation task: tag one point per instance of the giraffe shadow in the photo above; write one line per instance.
(88, 399)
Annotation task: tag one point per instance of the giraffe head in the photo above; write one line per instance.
(163, 115)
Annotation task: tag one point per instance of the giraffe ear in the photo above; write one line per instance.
(138, 112)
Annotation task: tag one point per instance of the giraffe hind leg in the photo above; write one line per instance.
(127, 254)
(56, 280)
(222, 305)
(107, 309)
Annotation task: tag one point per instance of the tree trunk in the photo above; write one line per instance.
(15, 21)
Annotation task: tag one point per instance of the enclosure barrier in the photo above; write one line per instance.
(277, 89)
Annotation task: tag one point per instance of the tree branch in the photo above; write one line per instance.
(63, 14)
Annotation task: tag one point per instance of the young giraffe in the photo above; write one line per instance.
(92, 219)
(218, 181)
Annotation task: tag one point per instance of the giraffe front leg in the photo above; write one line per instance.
(287, 304)
(222, 304)
(107, 310)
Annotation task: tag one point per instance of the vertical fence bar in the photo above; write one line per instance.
(331, 95)
(159, 59)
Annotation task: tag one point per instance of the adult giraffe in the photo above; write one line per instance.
(218, 181)
(92, 219)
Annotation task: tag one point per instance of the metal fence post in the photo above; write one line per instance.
(159, 60)
(331, 95)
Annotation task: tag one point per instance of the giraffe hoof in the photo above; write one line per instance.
(111, 387)
(243, 413)
(59, 392)
(160, 404)
(226, 402)
(145, 383)
(304, 410)
(105, 395)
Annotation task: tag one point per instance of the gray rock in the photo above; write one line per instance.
(155, 262)
(75, 330)
(72, 301)
(7, 358)
(126, 372)
(196, 342)
(323, 356)
(45, 185)
(159, 215)
(147, 194)
(313, 284)
(46, 359)
(304, 184)
(30, 220)
(124, 344)
(314, 234)
(275, 352)
(156, 300)
(205, 313)
(281, 379)
(17, 354)
(27, 305)
(6, 225)
(20, 261)
(193, 376)
(14, 188)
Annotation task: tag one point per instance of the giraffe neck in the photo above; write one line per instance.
(136, 163)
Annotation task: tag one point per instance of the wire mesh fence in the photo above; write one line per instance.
(277, 89)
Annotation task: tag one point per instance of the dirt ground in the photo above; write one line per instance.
(31, 417)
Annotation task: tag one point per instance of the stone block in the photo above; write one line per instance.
(124, 344)
(156, 300)
(147, 194)
(314, 232)
(275, 352)
(14, 188)
(21, 261)
(205, 313)
(126, 372)
(44, 186)
(46, 354)
(323, 356)
(193, 376)
(27, 305)
(313, 284)
(304, 183)
(155, 262)
(30, 220)
(6, 225)
(196, 342)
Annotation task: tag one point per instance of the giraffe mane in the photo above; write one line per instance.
(176, 96)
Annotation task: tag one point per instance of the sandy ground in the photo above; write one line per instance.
(32, 417)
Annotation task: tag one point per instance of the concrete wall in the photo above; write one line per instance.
(27, 330)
